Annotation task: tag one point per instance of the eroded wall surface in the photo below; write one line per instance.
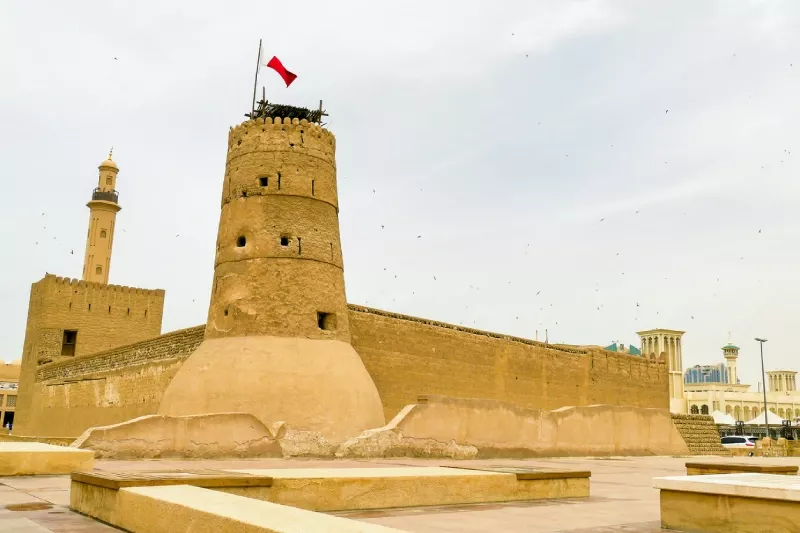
(104, 388)
(408, 356)
(405, 356)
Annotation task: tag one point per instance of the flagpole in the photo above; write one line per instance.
(255, 82)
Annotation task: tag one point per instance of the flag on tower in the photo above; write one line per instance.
(276, 65)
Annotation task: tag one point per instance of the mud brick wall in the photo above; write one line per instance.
(409, 356)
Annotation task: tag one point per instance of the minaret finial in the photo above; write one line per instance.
(729, 337)
(110, 152)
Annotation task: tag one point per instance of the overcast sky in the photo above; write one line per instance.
(592, 168)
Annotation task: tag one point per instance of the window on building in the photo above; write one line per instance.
(102, 234)
(68, 342)
(98, 270)
(11, 401)
(108, 181)
(263, 181)
(704, 410)
(694, 410)
(326, 321)
(284, 241)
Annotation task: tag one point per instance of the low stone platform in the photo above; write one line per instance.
(97, 493)
(725, 503)
(34, 458)
(187, 509)
(337, 489)
(694, 468)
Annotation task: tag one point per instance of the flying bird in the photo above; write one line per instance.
(419, 236)
(759, 231)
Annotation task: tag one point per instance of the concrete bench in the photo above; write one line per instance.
(188, 509)
(724, 503)
(96, 493)
(694, 468)
(35, 458)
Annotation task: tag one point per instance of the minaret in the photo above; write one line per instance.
(103, 209)
(277, 341)
(731, 354)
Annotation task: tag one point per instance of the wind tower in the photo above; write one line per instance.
(103, 209)
(667, 343)
(277, 341)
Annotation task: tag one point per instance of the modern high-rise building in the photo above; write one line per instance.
(706, 374)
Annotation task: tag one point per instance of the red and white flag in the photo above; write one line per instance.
(276, 65)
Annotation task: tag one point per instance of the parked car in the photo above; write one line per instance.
(739, 441)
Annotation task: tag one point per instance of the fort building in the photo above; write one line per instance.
(281, 341)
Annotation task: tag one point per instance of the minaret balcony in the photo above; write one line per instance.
(108, 196)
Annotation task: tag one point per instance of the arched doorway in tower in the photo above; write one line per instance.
(694, 410)
(747, 414)
(704, 409)
(737, 413)
(727, 409)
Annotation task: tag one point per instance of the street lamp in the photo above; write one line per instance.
(764, 382)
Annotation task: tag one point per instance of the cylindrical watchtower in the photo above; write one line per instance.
(278, 337)
(278, 268)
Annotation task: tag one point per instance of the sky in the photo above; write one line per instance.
(588, 168)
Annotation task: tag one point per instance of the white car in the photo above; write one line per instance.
(739, 441)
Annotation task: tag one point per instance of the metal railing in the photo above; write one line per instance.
(108, 196)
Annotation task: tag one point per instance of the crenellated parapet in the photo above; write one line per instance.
(287, 157)
(80, 284)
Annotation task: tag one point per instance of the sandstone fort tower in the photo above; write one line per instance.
(277, 341)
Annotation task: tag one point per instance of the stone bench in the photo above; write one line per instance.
(97, 493)
(188, 509)
(694, 468)
(725, 503)
(35, 458)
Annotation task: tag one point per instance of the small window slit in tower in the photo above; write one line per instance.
(312, 187)
(244, 194)
(145, 313)
(299, 246)
(109, 309)
(263, 181)
(331, 251)
(284, 240)
(279, 181)
(241, 241)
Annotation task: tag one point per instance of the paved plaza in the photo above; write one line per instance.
(622, 497)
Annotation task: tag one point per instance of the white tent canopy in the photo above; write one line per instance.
(722, 418)
(772, 418)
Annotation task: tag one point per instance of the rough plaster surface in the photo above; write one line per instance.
(313, 385)
(492, 428)
(451, 428)
(203, 436)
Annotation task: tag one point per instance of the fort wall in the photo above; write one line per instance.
(101, 317)
(105, 388)
(408, 356)
(405, 356)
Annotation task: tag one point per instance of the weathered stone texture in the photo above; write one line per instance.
(408, 356)
(106, 387)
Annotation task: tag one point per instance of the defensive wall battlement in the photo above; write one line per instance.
(79, 284)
